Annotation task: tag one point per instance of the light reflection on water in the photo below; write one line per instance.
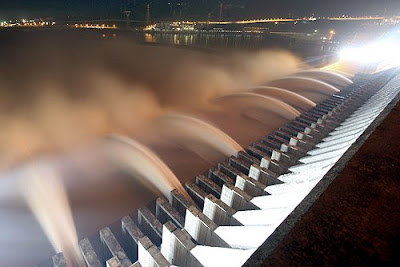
(313, 53)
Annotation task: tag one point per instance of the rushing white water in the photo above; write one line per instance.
(144, 164)
(334, 78)
(313, 89)
(264, 102)
(291, 98)
(45, 194)
(185, 127)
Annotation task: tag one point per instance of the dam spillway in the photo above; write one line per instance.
(239, 204)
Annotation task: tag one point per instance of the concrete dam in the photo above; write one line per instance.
(242, 208)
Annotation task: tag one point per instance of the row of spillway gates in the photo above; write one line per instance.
(241, 202)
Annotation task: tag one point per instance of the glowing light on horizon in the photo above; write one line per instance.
(384, 51)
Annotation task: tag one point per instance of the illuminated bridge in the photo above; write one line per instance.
(274, 20)
(253, 198)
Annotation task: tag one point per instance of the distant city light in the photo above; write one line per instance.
(93, 26)
(26, 23)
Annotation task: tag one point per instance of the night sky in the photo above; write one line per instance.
(10, 9)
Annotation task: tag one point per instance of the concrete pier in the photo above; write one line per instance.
(113, 262)
(208, 186)
(273, 165)
(236, 198)
(239, 165)
(112, 248)
(250, 186)
(165, 212)
(284, 159)
(228, 170)
(256, 152)
(131, 235)
(248, 158)
(196, 193)
(149, 254)
(260, 147)
(219, 177)
(263, 175)
(59, 260)
(219, 212)
(150, 225)
(88, 253)
(179, 202)
(201, 228)
(177, 246)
